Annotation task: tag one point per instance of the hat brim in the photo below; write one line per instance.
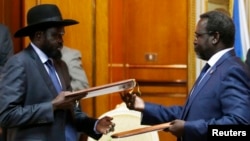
(26, 31)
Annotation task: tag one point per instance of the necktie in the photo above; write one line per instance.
(191, 96)
(203, 72)
(53, 76)
(69, 131)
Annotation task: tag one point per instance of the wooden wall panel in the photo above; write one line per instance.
(10, 16)
(155, 27)
(148, 39)
(149, 42)
(117, 68)
(169, 75)
(27, 4)
(115, 33)
(102, 54)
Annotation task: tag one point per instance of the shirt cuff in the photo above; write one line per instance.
(95, 127)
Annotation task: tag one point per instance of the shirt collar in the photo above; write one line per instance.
(217, 56)
(43, 57)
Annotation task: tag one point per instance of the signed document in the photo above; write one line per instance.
(119, 86)
(142, 130)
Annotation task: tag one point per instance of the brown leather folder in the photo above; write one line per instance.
(142, 130)
(119, 86)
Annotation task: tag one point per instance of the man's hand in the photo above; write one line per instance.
(61, 102)
(104, 125)
(177, 127)
(132, 101)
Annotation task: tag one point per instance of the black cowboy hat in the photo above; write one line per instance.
(41, 17)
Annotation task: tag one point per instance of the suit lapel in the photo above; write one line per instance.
(196, 91)
(198, 87)
(40, 67)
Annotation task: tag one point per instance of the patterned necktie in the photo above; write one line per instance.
(53, 76)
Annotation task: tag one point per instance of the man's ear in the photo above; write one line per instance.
(216, 38)
(214, 41)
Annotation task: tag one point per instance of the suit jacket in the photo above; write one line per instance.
(222, 97)
(26, 111)
(73, 59)
(6, 45)
(248, 58)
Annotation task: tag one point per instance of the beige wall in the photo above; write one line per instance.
(247, 4)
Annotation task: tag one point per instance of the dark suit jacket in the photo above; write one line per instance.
(25, 101)
(222, 97)
(248, 58)
(6, 45)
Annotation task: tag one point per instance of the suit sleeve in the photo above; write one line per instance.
(156, 114)
(233, 93)
(13, 111)
(6, 45)
(86, 124)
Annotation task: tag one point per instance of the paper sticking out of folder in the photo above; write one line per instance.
(119, 86)
(142, 130)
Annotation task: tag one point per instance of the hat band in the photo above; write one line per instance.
(51, 19)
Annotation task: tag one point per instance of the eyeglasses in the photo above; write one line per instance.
(197, 35)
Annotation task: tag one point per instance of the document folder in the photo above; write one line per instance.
(142, 130)
(119, 86)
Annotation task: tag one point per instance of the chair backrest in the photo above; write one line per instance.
(126, 119)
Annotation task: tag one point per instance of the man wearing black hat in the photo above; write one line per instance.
(34, 82)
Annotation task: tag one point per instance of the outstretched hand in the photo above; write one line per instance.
(105, 125)
(132, 101)
(177, 127)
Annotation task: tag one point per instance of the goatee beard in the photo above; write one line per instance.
(56, 55)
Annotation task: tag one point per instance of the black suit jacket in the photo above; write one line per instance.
(26, 91)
